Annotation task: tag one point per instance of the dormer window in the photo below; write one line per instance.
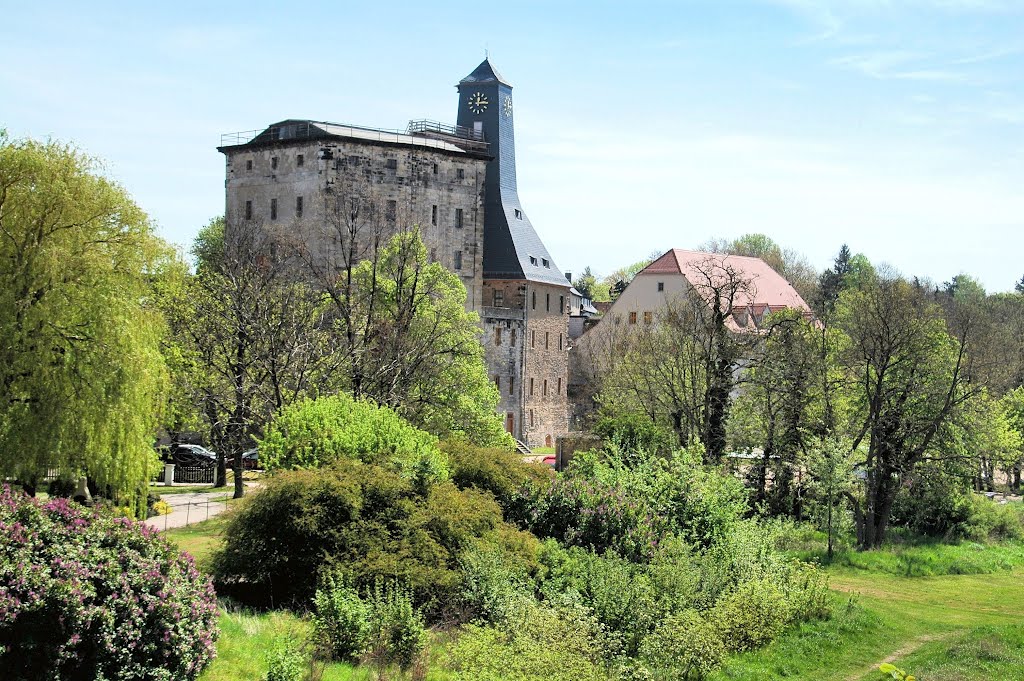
(545, 262)
(533, 261)
(519, 214)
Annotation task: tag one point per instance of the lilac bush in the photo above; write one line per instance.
(89, 596)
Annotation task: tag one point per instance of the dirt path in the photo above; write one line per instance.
(906, 649)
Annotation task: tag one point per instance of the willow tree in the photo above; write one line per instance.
(82, 379)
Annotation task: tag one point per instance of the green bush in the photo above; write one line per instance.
(683, 646)
(397, 633)
(991, 520)
(502, 472)
(315, 433)
(341, 619)
(369, 522)
(285, 662)
(633, 433)
(751, 616)
(539, 642)
(619, 593)
(491, 583)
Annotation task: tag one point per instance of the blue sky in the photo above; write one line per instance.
(895, 126)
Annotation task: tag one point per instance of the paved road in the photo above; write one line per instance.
(189, 509)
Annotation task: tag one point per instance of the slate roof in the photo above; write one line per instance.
(509, 256)
(301, 129)
(770, 288)
(485, 73)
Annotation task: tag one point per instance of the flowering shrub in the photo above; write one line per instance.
(89, 596)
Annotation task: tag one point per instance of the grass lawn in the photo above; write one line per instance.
(929, 626)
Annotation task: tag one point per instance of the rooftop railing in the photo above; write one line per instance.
(429, 133)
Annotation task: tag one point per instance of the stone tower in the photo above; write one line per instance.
(525, 295)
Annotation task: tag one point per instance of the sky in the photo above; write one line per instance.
(895, 126)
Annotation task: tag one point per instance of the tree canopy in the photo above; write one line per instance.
(82, 379)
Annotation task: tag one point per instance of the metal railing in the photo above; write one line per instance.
(428, 133)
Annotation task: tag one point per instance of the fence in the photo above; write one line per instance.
(195, 474)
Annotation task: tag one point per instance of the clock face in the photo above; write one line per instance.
(508, 106)
(478, 102)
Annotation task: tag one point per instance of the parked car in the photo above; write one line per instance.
(250, 460)
(193, 455)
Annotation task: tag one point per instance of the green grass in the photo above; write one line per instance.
(892, 618)
(201, 539)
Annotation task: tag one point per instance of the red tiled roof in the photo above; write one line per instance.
(769, 287)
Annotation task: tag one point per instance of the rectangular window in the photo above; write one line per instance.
(545, 393)
(531, 418)
(497, 383)
(544, 261)
(433, 215)
(499, 298)
(273, 162)
(298, 206)
(648, 317)
(433, 255)
(300, 161)
(511, 384)
(273, 209)
(391, 164)
(632, 317)
(519, 216)
(458, 260)
(533, 300)
(460, 174)
(391, 211)
(559, 387)
(458, 218)
(547, 340)
(559, 341)
(531, 393)
(248, 210)
(533, 339)
(561, 304)
(497, 335)
(435, 169)
(248, 164)
(547, 303)
(512, 341)
(661, 286)
(533, 260)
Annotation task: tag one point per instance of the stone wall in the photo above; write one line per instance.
(546, 364)
(380, 188)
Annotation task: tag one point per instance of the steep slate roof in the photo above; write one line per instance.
(770, 288)
(510, 258)
(485, 73)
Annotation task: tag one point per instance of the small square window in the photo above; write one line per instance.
(632, 317)
(248, 210)
(273, 209)
(458, 260)
(391, 164)
(300, 161)
(648, 317)
(533, 260)
(298, 206)
(458, 218)
(460, 174)
(248, 164)
(273, 162)
(661, 286)
(353, 160)
(519, 216)
(544, 261)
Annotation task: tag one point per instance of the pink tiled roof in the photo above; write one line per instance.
(769, 287)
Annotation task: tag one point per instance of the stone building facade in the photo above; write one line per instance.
(458, 184)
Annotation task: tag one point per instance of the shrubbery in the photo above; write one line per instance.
(501, 472)
(366, 520)
(684, 646)
(86, 596)
(319, 432)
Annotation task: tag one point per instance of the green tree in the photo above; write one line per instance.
(793, 266)
(586, 283)
(82, 379)
(908, 377)
(250, 336)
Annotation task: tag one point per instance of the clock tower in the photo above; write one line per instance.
(512, 249)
